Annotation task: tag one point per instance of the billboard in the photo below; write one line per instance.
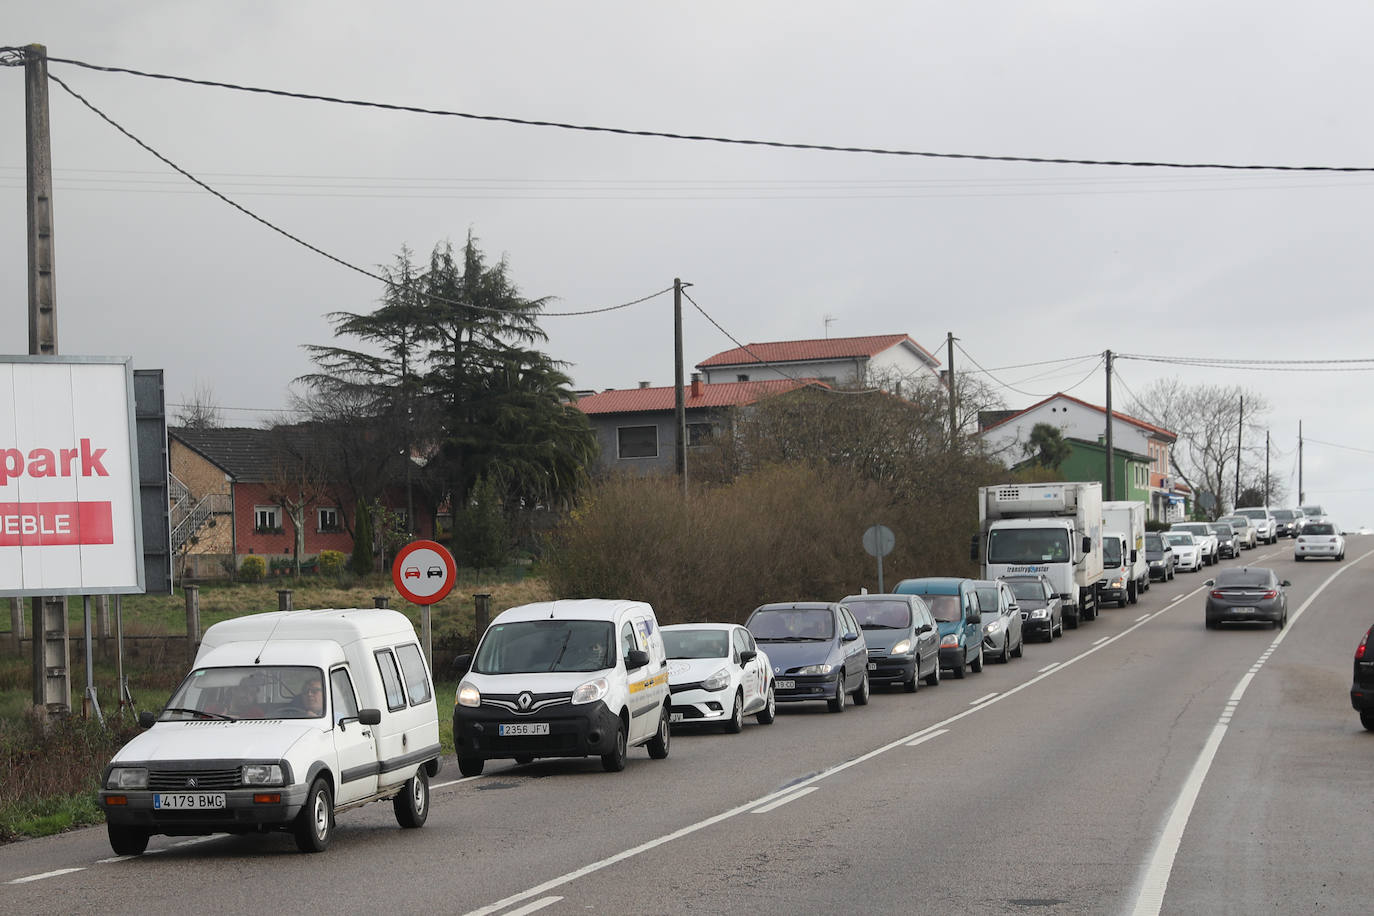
(70, 520)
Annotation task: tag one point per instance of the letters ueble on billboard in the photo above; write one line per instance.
(69, 507)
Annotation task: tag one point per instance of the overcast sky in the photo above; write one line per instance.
(1021, 262)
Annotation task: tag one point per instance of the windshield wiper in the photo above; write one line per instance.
(561, 649)
(200, 712)
(877, 626)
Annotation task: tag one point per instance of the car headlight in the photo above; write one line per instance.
(591, 691)
(816, 669)
(994, 628)
(718, 681)
(127, 778)
(262, 774)
(949, 641)
(902, 648)
(1118, 583)
(1040, 613)
(468, 695)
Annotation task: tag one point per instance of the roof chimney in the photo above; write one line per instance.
(696, 384)
(643, 384)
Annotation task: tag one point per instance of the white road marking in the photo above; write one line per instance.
(46, 874)
(1142, 617)
(785, 799)
(1048, 667)
(1179, 597)
(1154, 881)
(537, 905)
(452, 782)
(926, 737)
(1101, 641)
(983, 699)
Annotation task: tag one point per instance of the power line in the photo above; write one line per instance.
(317, 250)
(1260, 365)
(1098, 362)
(703, 138)
(1348, 448)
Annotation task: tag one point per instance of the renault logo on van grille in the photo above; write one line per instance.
(524, 700)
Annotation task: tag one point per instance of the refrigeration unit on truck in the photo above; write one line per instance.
(1053, 529)
(1127, 518)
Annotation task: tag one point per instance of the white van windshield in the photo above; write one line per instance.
(528, 646)
(1028, 545)
(248, 692)
(1111, 552)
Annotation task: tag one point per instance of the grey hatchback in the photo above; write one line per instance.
(817, 651)
(1160, 555)
(903, 640)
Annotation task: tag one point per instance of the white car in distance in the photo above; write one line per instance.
(1187, 551)
(1320, 539)
(1206, 540)
(717, 675)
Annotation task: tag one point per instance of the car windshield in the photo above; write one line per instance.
(944, 608)
(527, 646)
(1028, 545)
(1284, 514)
(1243, 578)
(1027, 590)
(248, 692)
(1198, 528)
(792, 624)
(1179, 538)
(1154, 542)
(1253, 513)
(1319, 528)
(1111, 552)
(1223, 531)
(881, 613)
(696, 643)
(1236, 521)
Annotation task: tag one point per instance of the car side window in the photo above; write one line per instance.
(345, 700)
(847, 621)
(628, 640)
(416, 673)
(391, 679)
(741, 642)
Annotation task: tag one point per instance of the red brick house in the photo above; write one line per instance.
(229, 492)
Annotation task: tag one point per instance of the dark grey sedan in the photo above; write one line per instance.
(817, 651)
(1249, 593)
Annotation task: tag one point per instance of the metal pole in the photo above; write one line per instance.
(953, 401)
(1111, 465)
(1302, 494)
(1240, 437)
(1266, 468)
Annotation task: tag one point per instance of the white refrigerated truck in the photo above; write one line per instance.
(1052, 529)
(1127, 518)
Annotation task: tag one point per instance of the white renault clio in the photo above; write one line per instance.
(564, 679)
(718, 675)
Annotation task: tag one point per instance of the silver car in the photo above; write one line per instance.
(1246, 535)
(1003, 637)
(1206, 541)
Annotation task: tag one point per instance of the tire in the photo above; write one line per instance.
(412, 804)
(1298, 558)
(1367, 719)
(1132, 593)
(1171, 574)
(976, 665)
(958, 671)
(770, 709)
(471, 766)
(1006, 651)
(662, 741)
(1020, 649)
(1070, 621)
(933, 679)
(614, 762)
(314, 826)
(862, 693)
(736, 723)
(914, 684)
(127, 841)
(1211, 624)
(836, 703)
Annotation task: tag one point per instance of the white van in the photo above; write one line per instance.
(285, 719)
(564, 679)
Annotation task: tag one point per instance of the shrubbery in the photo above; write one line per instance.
(331, 562)
(253, 568)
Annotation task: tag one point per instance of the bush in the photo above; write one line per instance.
(253, 568)
(331, 562)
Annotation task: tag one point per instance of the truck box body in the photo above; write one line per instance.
(1127, 518)
(1044, 528)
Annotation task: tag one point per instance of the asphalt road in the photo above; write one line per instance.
(1140, 765)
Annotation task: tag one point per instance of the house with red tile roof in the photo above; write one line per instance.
(893, 361)
(636, 427)
(1004, 434)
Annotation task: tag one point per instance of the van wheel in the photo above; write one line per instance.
(412, 804)
(659, 743)
(977, 664)
(736, 723)
(314, 826)
(614, 762)
(470, 766)
(836, 703)
(770, 709)
(861, 695)
(127, 841)
(933, 678)
(958, 670)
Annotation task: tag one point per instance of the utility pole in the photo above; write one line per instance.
(51, 670)
(1266, 468)
(1240, 435)
(1302, 494)
(1111, 464)
(679, 400)
(953, 401)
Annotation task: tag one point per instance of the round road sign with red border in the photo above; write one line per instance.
(424, 572)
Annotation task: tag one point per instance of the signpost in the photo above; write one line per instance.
(878, 542)
(424, 572)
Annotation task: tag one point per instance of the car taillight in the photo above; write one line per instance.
(1269, 595)
(1359, 650)
(1218, 594)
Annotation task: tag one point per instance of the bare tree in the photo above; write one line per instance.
(200, 410)
(299, 478)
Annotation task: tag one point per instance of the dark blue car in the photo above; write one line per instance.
(817, 651)
(954, 602)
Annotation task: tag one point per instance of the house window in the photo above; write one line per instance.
(637, 441)
(699, 433)
(741, 378)
(329, 520)
(267, 519)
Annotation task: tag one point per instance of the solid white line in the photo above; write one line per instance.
(983, 699)
(784, 800)
(1101, 641)
(537, 905)
(926, 737)
(452, 782)
(46, 874)
(1141, 617)
(1179, 597)
(1048, 667)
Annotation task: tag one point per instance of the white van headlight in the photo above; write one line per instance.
(127, 778)
(591, 691)
(262, 774)
(718, 681)
(468, 695)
